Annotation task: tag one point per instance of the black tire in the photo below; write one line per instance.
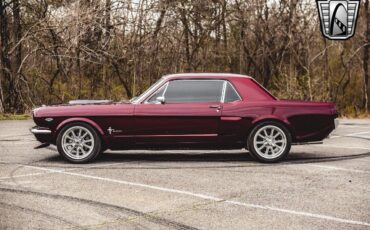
(96, 146)
(266, 158)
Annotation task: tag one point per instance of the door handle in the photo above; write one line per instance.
(215, 106)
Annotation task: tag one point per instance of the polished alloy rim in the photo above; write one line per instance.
(77, 142)
(269, 142)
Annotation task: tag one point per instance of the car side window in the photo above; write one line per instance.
(188, 91)
(231, 94)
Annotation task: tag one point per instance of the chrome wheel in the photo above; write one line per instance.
(78, 142)
(270, 142)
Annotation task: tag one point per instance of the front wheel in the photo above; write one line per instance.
(78, 143)
(269, 141)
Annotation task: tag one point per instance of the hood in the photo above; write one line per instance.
(83, 109)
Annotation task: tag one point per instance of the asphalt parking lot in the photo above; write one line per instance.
(318, 187)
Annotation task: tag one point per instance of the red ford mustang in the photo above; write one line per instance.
(198, 111)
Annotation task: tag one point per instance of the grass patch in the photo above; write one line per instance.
(6, 116)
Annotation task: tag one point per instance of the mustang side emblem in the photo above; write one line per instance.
(338, 18)
(110, 130)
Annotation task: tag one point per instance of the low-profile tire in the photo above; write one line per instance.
(78, 142)
(269, 141)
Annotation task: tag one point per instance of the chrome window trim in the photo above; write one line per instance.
(165, 90)
(167, 83)
(151, 95)
(149, 91)
(210, 74)
(223, 91)
(236, 91)
(223, 94)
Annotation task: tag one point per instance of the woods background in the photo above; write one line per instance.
(53, 51)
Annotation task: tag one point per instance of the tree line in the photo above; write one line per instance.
(53, 51)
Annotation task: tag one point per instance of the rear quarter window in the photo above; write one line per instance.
(230, 93)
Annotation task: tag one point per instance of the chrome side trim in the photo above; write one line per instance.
(40, 131)
(170, 135)
(231, 118)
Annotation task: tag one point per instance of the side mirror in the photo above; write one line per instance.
(160, 100)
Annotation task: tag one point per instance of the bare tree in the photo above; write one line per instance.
(365, 59)
(59, 50)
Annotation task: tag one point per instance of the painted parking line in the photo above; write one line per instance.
(24, 175)
(349, 135)
(207, 197)
(299, 213)
(51, 172)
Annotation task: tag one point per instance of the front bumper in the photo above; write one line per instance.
(42, 134)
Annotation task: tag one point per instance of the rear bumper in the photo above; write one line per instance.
(336, 123)
(42, 134)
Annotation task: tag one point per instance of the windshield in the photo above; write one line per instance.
(135, 100)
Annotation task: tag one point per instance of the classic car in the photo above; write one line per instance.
(186, 111)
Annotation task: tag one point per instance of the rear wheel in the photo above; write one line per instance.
(269, 142)
(78, 143)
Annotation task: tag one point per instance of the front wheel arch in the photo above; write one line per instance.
(86, 121)
(97, 147)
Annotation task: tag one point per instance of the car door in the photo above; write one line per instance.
(231, 123)
(190, 112)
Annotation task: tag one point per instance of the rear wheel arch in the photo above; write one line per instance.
(286, 124)
(263, 146)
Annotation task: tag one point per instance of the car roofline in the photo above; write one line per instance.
(176, 76)
(207, 75)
